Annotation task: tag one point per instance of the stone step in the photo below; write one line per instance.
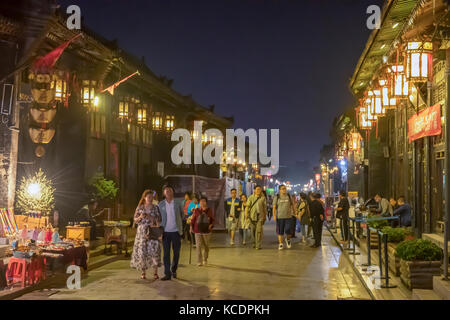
(422, 294)
(100, 259)
(441, 287)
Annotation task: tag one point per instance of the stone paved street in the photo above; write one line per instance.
(233, 273)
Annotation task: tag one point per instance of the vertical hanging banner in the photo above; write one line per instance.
(424, 124)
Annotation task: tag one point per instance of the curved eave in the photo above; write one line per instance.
(394, 18)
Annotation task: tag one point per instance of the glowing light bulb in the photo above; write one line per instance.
(34, 190)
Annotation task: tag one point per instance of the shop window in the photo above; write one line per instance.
(170, 121)
(142, 114)
(60, 90)
(157, 121)
(123, 108)
(88, 92)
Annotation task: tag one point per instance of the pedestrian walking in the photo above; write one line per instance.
(293, 216)
(310, 224)
(269, 207)
(317, 214)
(201, 225)
(185, 204)
(147, 244)
(257, 210)
(303, 215)
(190, 211)
(342, 214)
(283, 209)
(232, 210)
(172, 222)
(244, 223)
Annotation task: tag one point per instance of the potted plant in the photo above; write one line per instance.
(104, 190)
(394, 236)
(420, 260)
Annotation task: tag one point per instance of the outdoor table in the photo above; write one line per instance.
(122, 239)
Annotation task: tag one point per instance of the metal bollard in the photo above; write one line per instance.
(386, 264)
(348, 233)
(369, 260)
(379, 255)
(353, 238)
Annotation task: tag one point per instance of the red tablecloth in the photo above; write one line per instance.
(76, 255)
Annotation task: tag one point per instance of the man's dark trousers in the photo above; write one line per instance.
(345, 228)
(171, 239)
(317, 230)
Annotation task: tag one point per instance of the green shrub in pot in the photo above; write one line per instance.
(378, 224)
(418, 249)
(394, 234)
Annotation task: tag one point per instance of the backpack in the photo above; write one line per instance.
(203, 222)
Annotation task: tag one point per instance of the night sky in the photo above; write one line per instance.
(270, 64)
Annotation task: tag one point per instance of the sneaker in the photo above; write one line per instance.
(199, 264)
(280, 246)
(243, 242)
(165, 278)
(231, 243)
(288, 243)
(205, 262)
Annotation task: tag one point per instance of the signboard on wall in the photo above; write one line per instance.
(424, 124)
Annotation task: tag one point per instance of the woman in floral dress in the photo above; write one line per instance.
(147, 248)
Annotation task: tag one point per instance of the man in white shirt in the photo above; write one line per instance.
(172, 222)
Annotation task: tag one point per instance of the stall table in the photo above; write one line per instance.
(74, 255)
(111, 238)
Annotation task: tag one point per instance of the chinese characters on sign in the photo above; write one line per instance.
(426, 123)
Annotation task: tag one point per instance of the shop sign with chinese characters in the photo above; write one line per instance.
(424, 124)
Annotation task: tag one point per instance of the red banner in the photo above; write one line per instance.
(426, 123)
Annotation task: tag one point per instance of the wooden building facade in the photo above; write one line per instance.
(125, 136)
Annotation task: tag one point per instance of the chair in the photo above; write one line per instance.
(17, 271)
